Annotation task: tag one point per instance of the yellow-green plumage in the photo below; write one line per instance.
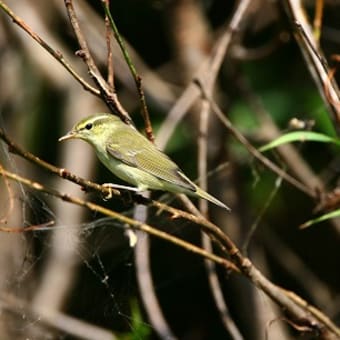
(133, 158)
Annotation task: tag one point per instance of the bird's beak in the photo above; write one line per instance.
(69, 135)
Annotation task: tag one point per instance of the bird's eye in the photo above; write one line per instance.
(88, 126)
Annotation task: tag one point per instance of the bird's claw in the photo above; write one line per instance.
(112, 186)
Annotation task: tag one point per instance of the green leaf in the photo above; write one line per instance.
(333, 214)
(299, 136)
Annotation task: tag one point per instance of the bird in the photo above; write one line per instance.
(130, 156)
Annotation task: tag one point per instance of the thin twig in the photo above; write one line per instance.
(314, 58)
(136, 77)
(319, 5)
(42, 226)
(253, 151)
(321, 317)
(110, 73)
(259, 216)
(110, 97)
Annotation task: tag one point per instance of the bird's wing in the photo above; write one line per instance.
(148, 158)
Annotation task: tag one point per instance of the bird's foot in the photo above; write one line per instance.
(119, 187)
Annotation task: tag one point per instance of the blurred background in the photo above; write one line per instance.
(81, 278)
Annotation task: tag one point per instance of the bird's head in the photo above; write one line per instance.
(94, 129)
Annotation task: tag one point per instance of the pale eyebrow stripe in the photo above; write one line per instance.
(100, 119)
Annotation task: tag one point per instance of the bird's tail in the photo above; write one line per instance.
(203, 194)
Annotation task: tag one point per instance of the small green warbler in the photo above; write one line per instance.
(133, 158)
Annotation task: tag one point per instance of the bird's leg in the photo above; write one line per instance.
(122, 187)
(119, 187)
